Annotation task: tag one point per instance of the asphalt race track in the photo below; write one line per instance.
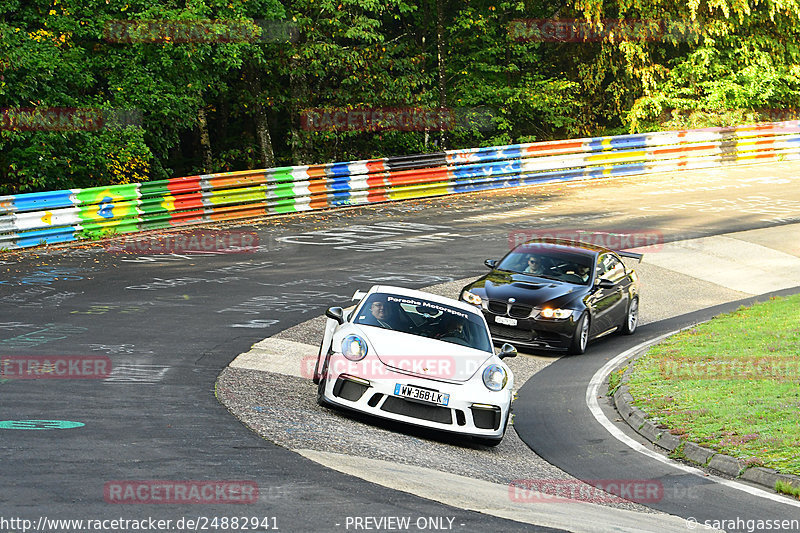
(169, 324)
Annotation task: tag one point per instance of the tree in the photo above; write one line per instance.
(715, 62)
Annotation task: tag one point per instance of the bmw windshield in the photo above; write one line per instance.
(549, 263)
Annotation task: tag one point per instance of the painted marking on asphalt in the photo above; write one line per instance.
(135, 373)
(593, 390)
(506, 215)
(256, 323)
(39, 424)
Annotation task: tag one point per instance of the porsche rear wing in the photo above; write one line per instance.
(632, 255)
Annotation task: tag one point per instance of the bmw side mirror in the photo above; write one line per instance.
(507, 350)
(336, 313)
(491, 263)
(605, 283)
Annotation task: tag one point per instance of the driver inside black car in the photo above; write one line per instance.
(578, 273)
(534, 265)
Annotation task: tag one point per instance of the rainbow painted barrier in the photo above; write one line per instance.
(75, 214)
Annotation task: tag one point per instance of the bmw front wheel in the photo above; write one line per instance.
(631, 318)
(581, 336)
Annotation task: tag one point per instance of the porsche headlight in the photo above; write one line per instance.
(495, 377)
(471, 298)
(354, 348)
(559, 314)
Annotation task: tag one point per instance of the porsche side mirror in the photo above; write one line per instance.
(336, 313)
(491, 263)
(507, 350)
(605, 283)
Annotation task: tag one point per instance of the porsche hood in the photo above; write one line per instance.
(420, 356)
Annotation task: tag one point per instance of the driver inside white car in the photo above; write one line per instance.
(453, 327)
(380, 314)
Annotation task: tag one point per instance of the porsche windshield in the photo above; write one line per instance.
(549, 263)
(424, 318)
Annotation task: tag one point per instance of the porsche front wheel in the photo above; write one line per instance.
(322, 383)
(315, 377)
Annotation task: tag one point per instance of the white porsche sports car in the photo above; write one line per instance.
(417, 358)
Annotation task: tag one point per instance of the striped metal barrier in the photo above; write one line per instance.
(68, 215)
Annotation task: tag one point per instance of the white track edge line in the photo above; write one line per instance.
(593, 405)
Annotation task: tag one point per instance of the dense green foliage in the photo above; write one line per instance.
(233, 96)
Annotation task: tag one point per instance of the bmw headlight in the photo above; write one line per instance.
(354, 348)
(559, 314)
(495, 377)
(471, 298)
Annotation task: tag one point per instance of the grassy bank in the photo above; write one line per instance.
(731, 384)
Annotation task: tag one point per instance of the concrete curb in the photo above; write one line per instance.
(279, 356)
(704, 457)
(505, 501)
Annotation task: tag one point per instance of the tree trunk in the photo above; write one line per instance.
(298, 87)
(205, 139)
(441, 64)
(264, 139)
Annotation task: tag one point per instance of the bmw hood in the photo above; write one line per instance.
(420, 356)
(530, 290)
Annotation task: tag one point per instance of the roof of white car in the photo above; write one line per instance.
(413, 293)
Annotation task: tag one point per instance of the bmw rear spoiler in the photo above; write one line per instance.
(632, 255)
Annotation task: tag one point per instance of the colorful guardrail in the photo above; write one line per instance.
(68, 215)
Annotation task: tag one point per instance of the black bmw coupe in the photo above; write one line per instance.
(557, 295)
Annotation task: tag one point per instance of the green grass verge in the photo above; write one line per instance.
(731, 384)
(615, 378)
(787, 488)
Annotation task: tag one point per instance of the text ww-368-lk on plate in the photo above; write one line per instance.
(423, 395)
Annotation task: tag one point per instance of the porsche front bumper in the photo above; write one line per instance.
(471, 409)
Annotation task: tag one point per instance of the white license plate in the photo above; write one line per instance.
(506, 321)
(423, 395)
